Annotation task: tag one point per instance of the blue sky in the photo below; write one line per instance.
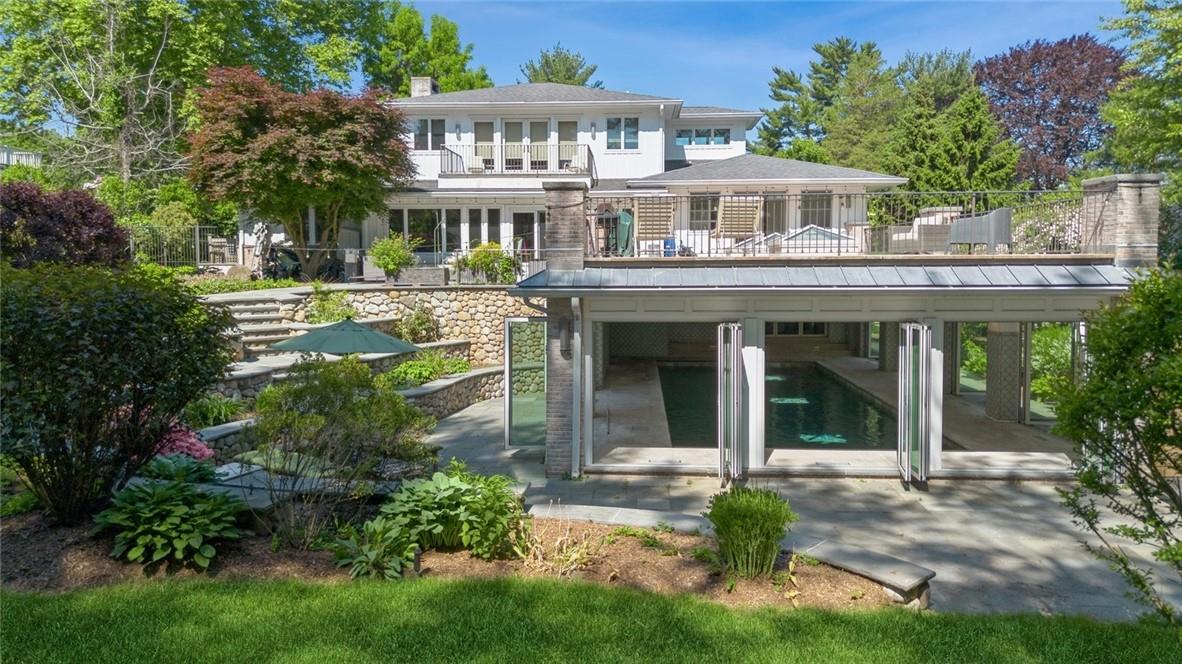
(721, 53)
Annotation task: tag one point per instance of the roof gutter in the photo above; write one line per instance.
(545, 291)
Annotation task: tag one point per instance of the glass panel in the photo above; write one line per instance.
(438, 132)
(484, 132)
(703, 213)
(775, 214)
(451, 229)
(816, 209)
(527, 383)
(701, 137)
(514, 132)
(494, 225)
(614, 133)
(514, 146)
(631, 133)
(539, 131)
(421, 226)
(721, 137)
(915, 397)
(568, 131)
(523, 230)
(787, 328)
(813, 328)
(422, 134)
(474, 224)
(396, 222)
(684, 137)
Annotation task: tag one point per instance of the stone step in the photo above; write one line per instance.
(254, 307)
(258, 317)
(264, 339)
(264, 328)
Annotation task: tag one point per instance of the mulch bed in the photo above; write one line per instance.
(37, 555)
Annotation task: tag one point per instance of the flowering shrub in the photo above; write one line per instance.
(183, 440)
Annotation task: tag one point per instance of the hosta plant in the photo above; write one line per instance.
(179, 468)
(382, 549)
(169, 521)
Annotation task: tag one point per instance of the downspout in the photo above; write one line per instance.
(576, 410)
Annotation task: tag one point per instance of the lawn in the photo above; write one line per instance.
(514, 620)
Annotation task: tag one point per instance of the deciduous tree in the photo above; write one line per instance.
(560, 65)
(1048, 96)
(68, 227)
(278, 153)
(404, 49)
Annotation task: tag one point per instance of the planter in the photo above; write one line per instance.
(419, 276)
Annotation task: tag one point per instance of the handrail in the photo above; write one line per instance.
(516, 159)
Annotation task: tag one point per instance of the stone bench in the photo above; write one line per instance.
(904, 582)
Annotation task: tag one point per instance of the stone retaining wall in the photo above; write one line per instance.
(476, 313)
(245, 383)
(439, 398)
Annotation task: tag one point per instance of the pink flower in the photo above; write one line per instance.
(183, 440)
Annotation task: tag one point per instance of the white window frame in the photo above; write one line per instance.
(713, 136)
(703, 202)
(623, 133)
(808, 213)
(430, 134)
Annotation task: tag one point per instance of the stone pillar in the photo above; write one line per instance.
(951, 357)
(1121, 215)
(888, 346)
(1003, 372)
(564, 253)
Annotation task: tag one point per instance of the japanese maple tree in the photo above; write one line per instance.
(278, 153)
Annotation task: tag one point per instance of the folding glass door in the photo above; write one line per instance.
(730, 401)
(915, 351)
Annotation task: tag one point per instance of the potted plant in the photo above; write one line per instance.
(393, 254)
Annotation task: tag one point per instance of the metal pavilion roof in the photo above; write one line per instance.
(762, 278)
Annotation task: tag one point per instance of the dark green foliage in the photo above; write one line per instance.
(426, 367)
(391, 254)
(749, 524)
(490, 262)
(381, 549)
(214, 285)
(178, 468)
(329, 306)
(12, 504)
(458, 508)
(560, 65)
(330, 418)
(1125, 418)
(418, 326)
(96, 367)
(1050, 360)
(169, 520)
(211, 410)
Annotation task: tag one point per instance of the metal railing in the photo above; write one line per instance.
(192, 246)
(767, 224)
(516, 158)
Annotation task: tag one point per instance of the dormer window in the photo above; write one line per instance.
(429, 134)
(623, 133)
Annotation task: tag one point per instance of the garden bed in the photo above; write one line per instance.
(41, 556)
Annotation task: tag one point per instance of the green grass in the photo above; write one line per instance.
(512, 620)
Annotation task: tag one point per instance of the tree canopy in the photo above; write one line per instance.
(404, 48)
(117, 73)
(560, 65)
(279, 153)
(1048, 95)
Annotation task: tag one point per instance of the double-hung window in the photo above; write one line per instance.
(703, 212)
(816, 209)
(623, 133)
(429, 134)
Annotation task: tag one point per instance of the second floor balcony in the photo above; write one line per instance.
(528, 159)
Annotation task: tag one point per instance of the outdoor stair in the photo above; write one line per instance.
(261, 324)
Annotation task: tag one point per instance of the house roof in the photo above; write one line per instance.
(532, 93)
(839, 278)
(760, 169)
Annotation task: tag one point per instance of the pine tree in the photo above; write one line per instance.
(972, 153)
(802, 103)
(863, 107)
(559, 65)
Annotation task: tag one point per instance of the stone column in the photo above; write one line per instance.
(1121, 215)
(1003, 372)
(564, 253)
(888, 346)
(951, 357)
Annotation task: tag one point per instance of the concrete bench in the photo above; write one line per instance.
(904, 582)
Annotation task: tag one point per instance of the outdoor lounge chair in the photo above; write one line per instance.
(738, 218)
(654, 217)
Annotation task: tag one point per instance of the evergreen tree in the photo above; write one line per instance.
(972, 153)
(947, 75)
(802, 103)
(915, 139)
(863, 107)
(559, 65)
(406, 49)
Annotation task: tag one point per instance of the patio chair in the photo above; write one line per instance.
(738, 218)
(654, 217)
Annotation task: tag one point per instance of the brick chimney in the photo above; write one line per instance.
(423, 86)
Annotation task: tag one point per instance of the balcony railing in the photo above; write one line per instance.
(516, 159)
(1005, 222)
(13, 157)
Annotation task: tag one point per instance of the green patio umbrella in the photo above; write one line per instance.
(344, 338)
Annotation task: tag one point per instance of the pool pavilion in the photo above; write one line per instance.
(746, 366)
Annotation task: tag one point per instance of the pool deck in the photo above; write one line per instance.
(631, 429)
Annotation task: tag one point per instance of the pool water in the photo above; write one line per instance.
(807, 409)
